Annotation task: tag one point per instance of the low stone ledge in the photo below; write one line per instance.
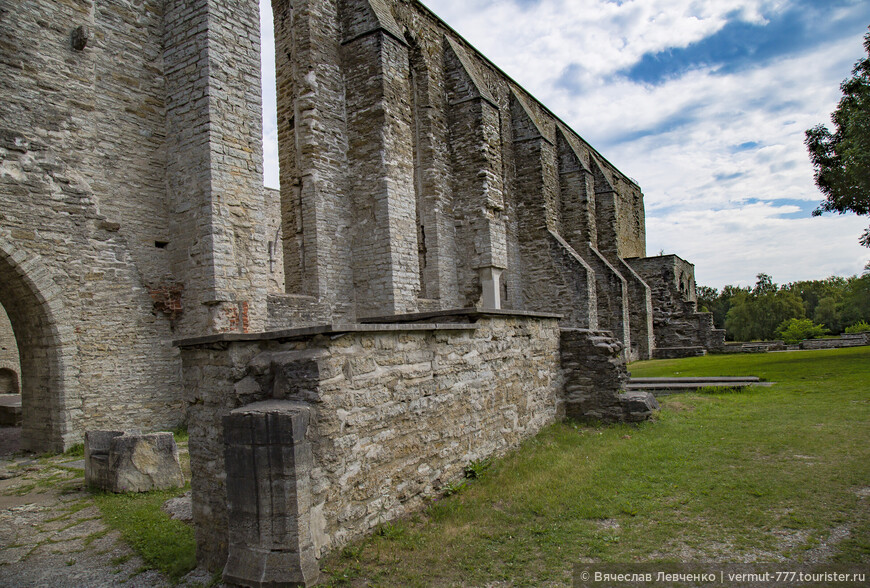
(395, 414)
(473, 314)
(308, 332)
(678, 352)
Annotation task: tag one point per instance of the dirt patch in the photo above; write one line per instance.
(677, 406)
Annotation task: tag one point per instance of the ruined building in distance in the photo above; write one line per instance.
(150, 279)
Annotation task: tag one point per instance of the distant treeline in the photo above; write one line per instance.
(767, 311)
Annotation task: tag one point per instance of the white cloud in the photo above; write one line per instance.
(720, 157)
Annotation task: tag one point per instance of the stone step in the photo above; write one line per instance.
(714, 379)
(662, 386)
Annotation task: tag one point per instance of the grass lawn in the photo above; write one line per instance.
(765, 474)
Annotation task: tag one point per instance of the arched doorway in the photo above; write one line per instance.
(45, 339)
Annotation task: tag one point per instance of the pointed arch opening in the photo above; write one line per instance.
(44, 337)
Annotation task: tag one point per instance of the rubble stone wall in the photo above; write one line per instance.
(83, 222)
(676, 323)
(131, 202)
(397, 411)
(845, 340)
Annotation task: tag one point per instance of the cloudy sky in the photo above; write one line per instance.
(703, 102)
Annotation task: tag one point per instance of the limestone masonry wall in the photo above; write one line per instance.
(416, 179)
(845, 340)
(132, 209)
(415, 175)
(397, 412)
(83, 222)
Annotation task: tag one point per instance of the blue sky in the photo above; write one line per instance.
(703, 102)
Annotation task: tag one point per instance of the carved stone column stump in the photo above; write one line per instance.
(268, 464)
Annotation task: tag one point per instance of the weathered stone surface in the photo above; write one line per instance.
(179, 508)
(680, 331)
(678, 352)
(97, 470)
(845, 340)
(637, 406)
(415, 177)
(269, 462)
(10, 367)
(124, 462)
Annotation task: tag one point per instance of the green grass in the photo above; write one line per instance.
(757, 474)
(164, 544)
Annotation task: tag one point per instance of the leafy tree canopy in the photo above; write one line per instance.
(755, 313)
(795, 330)
(842, 159)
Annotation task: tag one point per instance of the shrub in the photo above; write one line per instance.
(858, 328)
(795, 330)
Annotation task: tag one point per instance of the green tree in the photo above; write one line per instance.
(795, 330)
(855, 305)
(858, 327)
(764, 285)
(842, 159)
(706, 298)
(827, 314)
(716, 302)
(812, 291)
(740, 322)
(755, 315)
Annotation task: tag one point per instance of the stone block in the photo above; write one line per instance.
(637, 406)
(123, 462)
(268, 463)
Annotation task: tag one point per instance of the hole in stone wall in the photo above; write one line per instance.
(161, 244)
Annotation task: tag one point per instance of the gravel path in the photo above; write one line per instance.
(51, 533)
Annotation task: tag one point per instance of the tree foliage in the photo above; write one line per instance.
(795, 330)
(755, 313)
(842, 159)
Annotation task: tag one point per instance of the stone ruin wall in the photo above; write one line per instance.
(82, 216)
(397, 411)
(10, 368)
(680, 330)
(132, 210)
(415, 175)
